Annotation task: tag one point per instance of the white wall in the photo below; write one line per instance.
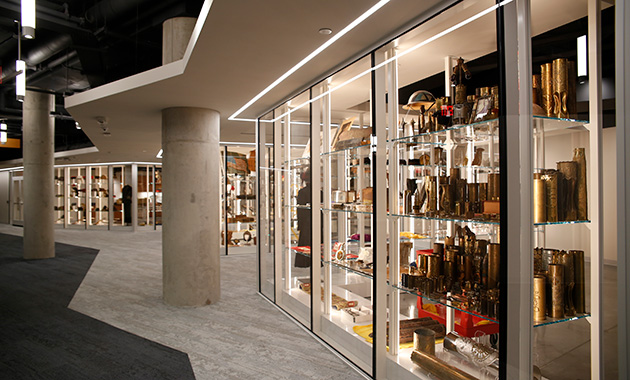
(4, 197)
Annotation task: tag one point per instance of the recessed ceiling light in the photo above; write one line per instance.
(325, 31)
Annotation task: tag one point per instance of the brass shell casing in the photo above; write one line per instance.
(582, 198)
(424, 340)
(432, 190)
(560, 68)
(439, 368)
(540, 310)
(494, 186)
(551, 194)
(494, 262)
(483, 191)
(473, 192)
(566, 259)
(433, 266)
(449, 241)
(537, 90)
(546, 79)
(568, 206)
(540, 209)
(455, 174)
(405, 251)
(556, 279)
(438, 249)
(579, 295)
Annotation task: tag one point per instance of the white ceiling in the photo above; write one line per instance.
(239, 47)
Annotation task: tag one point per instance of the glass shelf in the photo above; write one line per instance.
(563, 222)
(480, 125)
(349, 269)
(552, 321)
(297, 252)
(449, 219)
(303, 160)
(442, 301)
(304, 207)
(349, 149)
(556, 124)
(348, 211)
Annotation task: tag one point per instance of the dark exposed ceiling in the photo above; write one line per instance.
(80, 45)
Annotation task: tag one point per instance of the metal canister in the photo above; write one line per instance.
(568, 209)
(473, 192)
(551, 194)
(432, 190)
(536, 89)
(567, 261)
(433, 266)
(579, 294)
(424, 340)
(455, 174)
(494, 262)
(540, 210)
(438, 249)
(582, 200)
(546, 78)
(483, 191)
(560, 68)
(556, 277)
(494, 186)
(540, 309)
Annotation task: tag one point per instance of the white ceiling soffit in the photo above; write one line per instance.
(240, 47)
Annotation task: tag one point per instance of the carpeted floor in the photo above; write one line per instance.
(40, 338)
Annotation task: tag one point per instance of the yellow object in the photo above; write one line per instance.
(365, 331)
(411, 235)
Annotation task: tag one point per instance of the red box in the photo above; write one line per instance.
(465, 324)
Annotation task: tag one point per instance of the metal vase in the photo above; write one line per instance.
(569, 282)
(568, 209)
(494, 261)
(540, 309)
(582, 198)
(556, 279)
(560, 74)
(551, 194)
(540, 210)
(546, 78)
(579, 295)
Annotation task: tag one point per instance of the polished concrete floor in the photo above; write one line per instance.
(243, 336)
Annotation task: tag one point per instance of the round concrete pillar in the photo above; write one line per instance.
(176, 34)
(190, 206)
(39, 148)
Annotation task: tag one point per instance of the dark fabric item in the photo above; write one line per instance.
(127, 194)
(41, 338)
(304, 222)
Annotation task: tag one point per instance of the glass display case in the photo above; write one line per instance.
(427, 176)
(76, 197)
(60, 196)
(99, 196)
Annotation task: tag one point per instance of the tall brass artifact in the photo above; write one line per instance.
(582, 203)
(560, 75)
(494, 261)
(569, 282)
(551, 194)
(579, 293)
(567, 206)
(546, 76)
(556, 279)
(540, 310)
(540, 211)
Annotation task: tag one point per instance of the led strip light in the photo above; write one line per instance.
(344, 31)
(308, 58)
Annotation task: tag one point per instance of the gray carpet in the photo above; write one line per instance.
(40, 338)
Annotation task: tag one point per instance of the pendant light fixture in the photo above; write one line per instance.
(3, 133)
(20, 80)
(28, 19)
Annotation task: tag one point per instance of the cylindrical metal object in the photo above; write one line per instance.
(540, 210)
(422, 265)
(538, 261)
(433, 266)
(579, 297)
(483, 191)
(566, 259)
(551, 194)
(494, 261)
(446, 201)
(494, 186)
(432, 189)
(568, 209)
(473, 192)
(540, 309)
(560, 87)
(438, 249)
(477, 353)
(556, 277)
(455, 174)
(546, 79)
(582, 199)
(537, 90)
(449, 270)
(424, 340)
(405, 251)
(439, 368)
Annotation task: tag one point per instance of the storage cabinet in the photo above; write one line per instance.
(423, 205)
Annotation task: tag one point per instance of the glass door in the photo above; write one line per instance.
(17, 198)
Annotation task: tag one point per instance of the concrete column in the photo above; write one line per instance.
(190, 184)
(39, 148)
(176, 34)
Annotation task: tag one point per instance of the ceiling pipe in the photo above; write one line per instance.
(107, 9)
(47, 50)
